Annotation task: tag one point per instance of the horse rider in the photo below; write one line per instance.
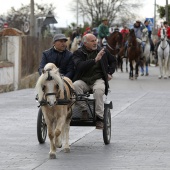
(103, 30)
(124, 31)
(165, 24)
(116, 28)
(59, 55)
(88, 30)
(146, 23)
(94, 68)
(138, 28)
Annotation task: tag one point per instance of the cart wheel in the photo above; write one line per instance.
(107, 126)
(41, 127)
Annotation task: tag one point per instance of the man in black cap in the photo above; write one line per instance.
(59, 55)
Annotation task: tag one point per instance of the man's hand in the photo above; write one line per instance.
(99, 55)
(109, 77)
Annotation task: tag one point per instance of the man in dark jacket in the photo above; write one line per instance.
(94, 68)
(58, 55)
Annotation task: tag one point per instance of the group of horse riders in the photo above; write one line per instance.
(92, 73)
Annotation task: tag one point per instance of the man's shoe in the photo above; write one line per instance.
(99, 125)
(85, 115)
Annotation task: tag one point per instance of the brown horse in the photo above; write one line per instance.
(114, 43)
(122, 53)
(134, 53)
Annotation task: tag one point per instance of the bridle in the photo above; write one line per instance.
(59, 101)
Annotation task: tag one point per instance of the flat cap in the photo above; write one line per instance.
(59, 37)
(104, 19)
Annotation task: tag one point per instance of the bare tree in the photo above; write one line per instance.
(16, 17)
(95, 10)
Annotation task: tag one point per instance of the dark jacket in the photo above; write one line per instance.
(108, 64)
(63, 60)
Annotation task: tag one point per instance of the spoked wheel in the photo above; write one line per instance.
(41, 127)
(107, 126)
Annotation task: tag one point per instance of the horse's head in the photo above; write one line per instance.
(114, 42)
(49, 85)
(163, 34)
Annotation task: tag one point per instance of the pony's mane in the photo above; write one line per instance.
(53, 71)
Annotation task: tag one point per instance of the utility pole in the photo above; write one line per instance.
(32, 20)
(154, 23)
(166, 10)
(77, 13)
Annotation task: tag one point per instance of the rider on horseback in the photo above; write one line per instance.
(165, 24)
(149, 35)
(103, 30)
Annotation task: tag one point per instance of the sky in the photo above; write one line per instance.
(65, 16)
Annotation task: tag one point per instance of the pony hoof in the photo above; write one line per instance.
(52, 156)
(67, 150)
(59, 146)
(160, 77)
(165, 77)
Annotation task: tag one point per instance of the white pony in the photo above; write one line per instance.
(146, 53)
(163, 55)
(75, 44)
(55, 98)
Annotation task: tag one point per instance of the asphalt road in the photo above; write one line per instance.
(140, 130)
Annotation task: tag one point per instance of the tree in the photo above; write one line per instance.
(161, 11)
(17, 17)
(95, 10)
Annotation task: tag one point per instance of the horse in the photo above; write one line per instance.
(133, 53)
(75, 44)
(114, 43)
(56, 100)
(146, 53)
(163, 54)
(122, 53)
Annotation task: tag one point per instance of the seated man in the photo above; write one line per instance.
(94, 68)
(59, 55)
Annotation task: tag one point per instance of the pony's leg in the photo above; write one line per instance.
(59, 130)
(67, 129)
(52, 153)
(50, 128)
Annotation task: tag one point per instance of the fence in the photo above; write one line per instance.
(19, 58)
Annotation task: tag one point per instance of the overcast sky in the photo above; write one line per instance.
(65, 16)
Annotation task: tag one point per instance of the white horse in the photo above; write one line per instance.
(55, 98)
(75, 44)
(163, 55)
(146, 53)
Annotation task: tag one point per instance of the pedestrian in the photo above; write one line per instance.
(59, 55)
(94, 68)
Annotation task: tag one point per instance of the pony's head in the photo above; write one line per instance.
(49, 85)
(163, 34)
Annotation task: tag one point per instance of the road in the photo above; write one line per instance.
(140, 130)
